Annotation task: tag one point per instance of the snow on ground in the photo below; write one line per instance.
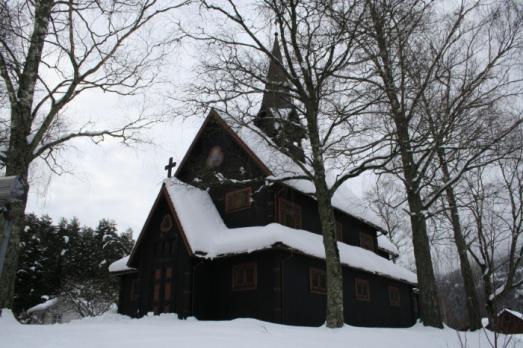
(112, 330)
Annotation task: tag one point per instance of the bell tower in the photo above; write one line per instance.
(278, 117)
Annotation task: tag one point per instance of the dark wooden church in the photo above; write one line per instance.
(222, 242)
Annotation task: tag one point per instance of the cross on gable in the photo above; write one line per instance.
(169, 167)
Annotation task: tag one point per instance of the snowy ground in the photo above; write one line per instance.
(113, 331)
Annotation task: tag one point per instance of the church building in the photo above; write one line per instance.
(225, 239)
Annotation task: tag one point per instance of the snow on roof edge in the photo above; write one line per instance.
(42, 306)
(385, 244)
(208, 236)
(120, 265)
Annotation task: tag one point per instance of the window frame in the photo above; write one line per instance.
(339, 231)
(296, 207)
(391, 290)
(230, 194)
(358, 281)
(313, 271)
(237, 270)
(368, 238)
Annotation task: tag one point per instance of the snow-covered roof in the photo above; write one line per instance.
(385, 244)
(43, 306)
(209, 237)
(281, 166)
(514, 313)
(120, 265)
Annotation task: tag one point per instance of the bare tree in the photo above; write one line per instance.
(309, 111)
(494, 203)
(51, 52)
(411, 44)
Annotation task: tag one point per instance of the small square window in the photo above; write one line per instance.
(289, 214)
(244, 277)
(238, 200)
(317, 281)
(362, 290)
(394, 296)
(366, 241)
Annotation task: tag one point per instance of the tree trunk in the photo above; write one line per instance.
(429, 300)
(16, 165)
(335, 317)
(19, 154)
(472, 302)
(334, 310)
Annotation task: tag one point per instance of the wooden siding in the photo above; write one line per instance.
(376, 312)
(148, 258)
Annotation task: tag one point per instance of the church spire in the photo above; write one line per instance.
(276, 94)
(277, 116)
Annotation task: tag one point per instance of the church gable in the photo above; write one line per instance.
(162, 235)
(216, 154)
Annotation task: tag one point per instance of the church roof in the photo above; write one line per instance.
(385, 244)
(120, 265)
(209, 237)
(279, 166)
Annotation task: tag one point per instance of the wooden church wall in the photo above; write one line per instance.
(311, 221)
(217, 299)
(377, 312)
(127, 300)
(163, 250)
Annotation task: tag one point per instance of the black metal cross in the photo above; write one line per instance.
(169, 167)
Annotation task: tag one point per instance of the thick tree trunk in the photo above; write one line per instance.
(334, 311)
(429, 301)
(335, 317)
(472, 303)
(19, 154)
(17, 164)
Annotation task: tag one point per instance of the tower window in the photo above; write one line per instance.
(366, 241)
(289, 214)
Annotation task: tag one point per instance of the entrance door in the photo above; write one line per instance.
(162, 288)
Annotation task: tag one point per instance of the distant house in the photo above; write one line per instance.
(221, 243)
(508, 322)
(52, 311)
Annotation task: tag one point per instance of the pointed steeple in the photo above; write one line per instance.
(276, 94)
(277, 116)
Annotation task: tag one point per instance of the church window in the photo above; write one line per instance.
(317, 281)
(167, 288)
(215, 157)
(394, 296)
(362, 290)
(339, 231)
(166, 225)
(244, 276)
(366, 241)
(289, 214)
(156, 289)
(238, 200)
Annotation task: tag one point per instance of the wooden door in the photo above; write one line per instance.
(162, 288)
